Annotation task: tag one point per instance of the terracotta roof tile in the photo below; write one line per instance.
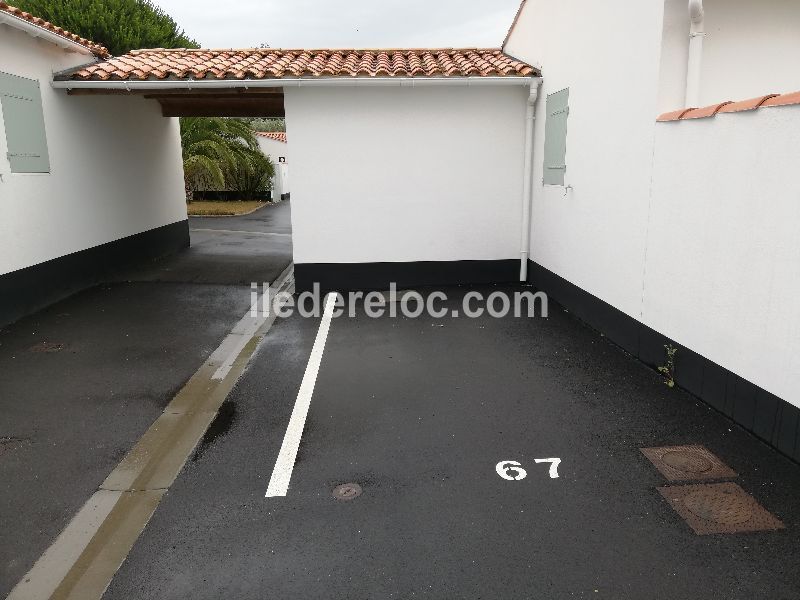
(96, 49)
(705, 112)
(783, 100)
(278, 136)
(769, 100)
(675, 115)
(744, 105)
(268, 63)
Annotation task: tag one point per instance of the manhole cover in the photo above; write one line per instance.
(347, 491)
(47, 347)
(719, 508)
(687, 462)
(684, 463)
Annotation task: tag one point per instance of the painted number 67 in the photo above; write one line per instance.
(511, 470)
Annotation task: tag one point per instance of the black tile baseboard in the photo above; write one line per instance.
(27, 290)
(769, 417)
(345, 277)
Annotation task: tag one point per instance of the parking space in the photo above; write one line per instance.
(418, 413)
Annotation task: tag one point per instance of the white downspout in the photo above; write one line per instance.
(527, 183)
(697, 32)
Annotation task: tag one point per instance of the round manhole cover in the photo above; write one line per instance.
(719, 506)
(688, 462)
(347, 491)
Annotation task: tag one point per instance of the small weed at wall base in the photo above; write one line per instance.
(668, 370)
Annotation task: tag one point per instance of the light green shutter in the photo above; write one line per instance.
(555, 138)
(24, 124)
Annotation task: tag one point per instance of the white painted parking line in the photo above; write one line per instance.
(282, 473)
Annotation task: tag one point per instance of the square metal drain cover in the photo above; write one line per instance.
(687, 463)
(719, 508)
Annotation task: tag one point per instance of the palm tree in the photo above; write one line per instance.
(250, 174)
(212, 147)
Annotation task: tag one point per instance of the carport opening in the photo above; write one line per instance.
(407, 150)
(244, 230)
(236, 103)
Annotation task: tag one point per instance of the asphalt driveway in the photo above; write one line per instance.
(82, 380)
(418, 412)
(229, 250)
(415, 413)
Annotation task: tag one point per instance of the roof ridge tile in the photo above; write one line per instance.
(766, 101)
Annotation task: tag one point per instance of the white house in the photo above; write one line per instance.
(391, 180)
(681, 231)
(657, 222)
(85, 183)
(274, 144)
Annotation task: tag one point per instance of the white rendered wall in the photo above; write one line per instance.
(390, 174)
(115, 166)
(751, 48)
(281, 180)
(723, 259)
(275, 149)
(689, 227)
(594, 233)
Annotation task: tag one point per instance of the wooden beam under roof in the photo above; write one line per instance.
(222, 106)
(237, 102)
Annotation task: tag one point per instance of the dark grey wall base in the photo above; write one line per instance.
(344, 277)
(229, 196)
(770, 418)
(28, 290)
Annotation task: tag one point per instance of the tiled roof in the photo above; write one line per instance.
(268, 63)
(96, 49)
(278, 136)
(686, 114)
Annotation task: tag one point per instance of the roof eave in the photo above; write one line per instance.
(198, 84)
(40, 32)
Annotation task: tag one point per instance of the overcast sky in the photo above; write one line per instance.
(343, 23)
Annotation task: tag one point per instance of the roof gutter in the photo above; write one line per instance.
(38, 32)
(210, 84)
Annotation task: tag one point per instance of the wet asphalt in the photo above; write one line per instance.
(117, 355)
(229, 250)
(418, 412)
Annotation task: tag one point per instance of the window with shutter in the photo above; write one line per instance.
(21, 101)
(555, 138)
